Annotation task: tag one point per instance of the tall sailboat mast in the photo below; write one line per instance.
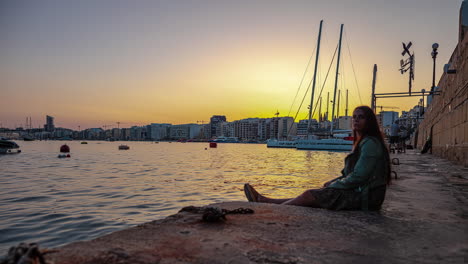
(338, 105)
(346, 111)
(336, 78)
(320, 109)
(328, 102)
(309, 124)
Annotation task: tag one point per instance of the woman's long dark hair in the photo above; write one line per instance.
(372, 129)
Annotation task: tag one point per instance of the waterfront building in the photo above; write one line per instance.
(115, 133)
(303, 125)
(187, 131)
(159, 131)
(138, 133)
(62, 133)
(246, 129)
(179, 132)
(92, 133)
(215, 125)
(228, 129)
(344, 122)
(49, 126)
(195, 131)
(387, 118)
(206, 132)
(325, 125)
(282, 128)
(445, 121)
(264, 128)
(125, 134)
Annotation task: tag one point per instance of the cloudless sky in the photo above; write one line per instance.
(91, 63)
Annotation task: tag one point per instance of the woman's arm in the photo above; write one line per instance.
(326, 184)
(370, 152)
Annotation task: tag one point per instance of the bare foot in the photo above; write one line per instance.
(251, 194)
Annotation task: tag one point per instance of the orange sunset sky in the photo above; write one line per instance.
(95, 63)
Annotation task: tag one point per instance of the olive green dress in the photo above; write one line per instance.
(363, 181)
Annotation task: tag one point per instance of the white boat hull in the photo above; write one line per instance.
(273, 143)
(325, 144)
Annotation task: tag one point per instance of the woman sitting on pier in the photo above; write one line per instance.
(364, 178)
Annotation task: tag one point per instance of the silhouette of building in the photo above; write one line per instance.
(49, 126)
(215, 125)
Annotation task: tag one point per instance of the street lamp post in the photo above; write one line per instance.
(434, 53)
(422, 101)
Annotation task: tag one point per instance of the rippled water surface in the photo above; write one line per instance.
(101, 189)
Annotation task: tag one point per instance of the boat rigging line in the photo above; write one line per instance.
(326, 77)
(352, 65)
(302, 80)
(303, 98)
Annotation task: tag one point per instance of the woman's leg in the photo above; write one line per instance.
(305, 199)
(262, 199)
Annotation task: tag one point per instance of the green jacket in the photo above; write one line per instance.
(370, 169)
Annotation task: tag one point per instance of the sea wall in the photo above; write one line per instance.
(412, 227)
(447, 114)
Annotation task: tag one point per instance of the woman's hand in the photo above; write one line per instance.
(328, 183)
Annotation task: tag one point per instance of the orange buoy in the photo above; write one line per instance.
(65, 148)
(213, 145)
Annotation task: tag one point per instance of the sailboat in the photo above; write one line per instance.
(277, 143)
(342, 142)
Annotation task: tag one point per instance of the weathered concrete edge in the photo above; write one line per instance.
(423, 220)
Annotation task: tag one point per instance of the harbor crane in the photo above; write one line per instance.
(388, 107)
(118, 124)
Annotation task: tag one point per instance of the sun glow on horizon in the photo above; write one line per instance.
(182, 63)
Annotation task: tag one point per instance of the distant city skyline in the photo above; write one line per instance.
(49, 124)
(95, 63)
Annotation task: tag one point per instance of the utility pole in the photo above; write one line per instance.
(374, 77)
(434, 53)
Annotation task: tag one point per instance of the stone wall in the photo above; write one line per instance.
(447, 115)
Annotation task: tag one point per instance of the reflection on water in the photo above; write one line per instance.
(102, 189)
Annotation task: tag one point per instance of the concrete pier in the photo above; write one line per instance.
(424, 220)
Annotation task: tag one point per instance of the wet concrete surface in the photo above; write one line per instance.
(424, 219)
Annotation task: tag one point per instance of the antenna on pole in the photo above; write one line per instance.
(408, 64)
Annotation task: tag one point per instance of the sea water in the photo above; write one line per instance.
(100, 189)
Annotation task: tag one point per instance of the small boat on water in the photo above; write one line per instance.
(84, 142)
(8, 147)
(28, 138)
(123, 147)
